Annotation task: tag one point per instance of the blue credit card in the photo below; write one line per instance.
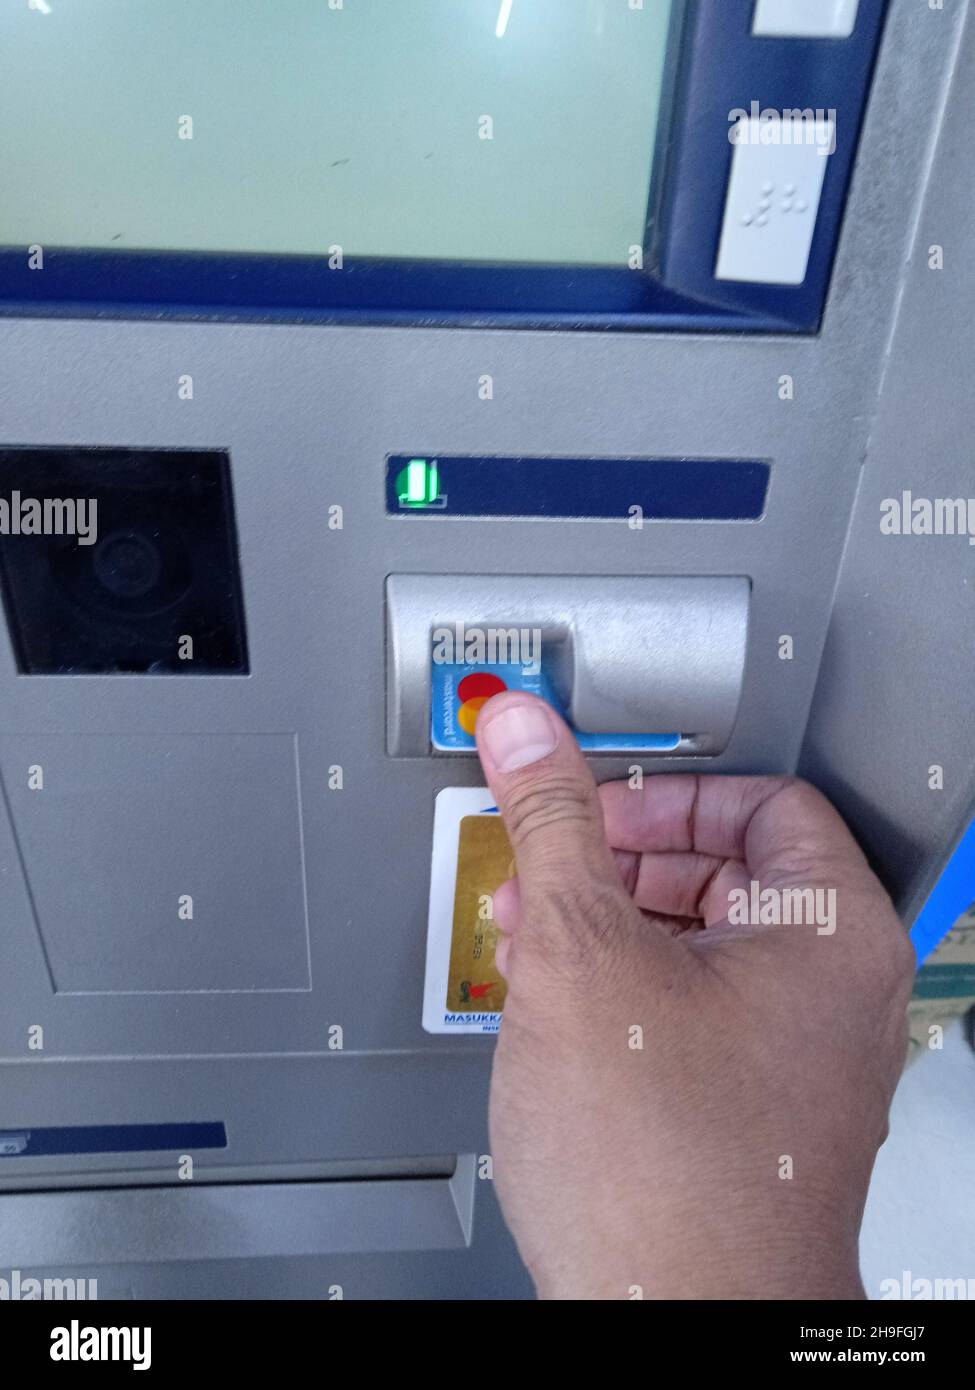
(460, 689)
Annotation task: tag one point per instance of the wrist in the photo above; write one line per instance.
(748, 1257)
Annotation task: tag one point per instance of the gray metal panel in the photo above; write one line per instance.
(236, 1221)
(140, 885)
(156, 1170)
(487, 1268)
(896, 694)
(280, 1112)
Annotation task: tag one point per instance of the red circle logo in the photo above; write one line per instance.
(474, 691)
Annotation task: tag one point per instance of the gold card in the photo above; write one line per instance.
(484, 861)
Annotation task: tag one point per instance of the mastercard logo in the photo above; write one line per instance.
(473, 692)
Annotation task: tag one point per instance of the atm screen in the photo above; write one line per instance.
(622, 164)
(487, 130)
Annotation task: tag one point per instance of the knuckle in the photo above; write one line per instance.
(802, 798)
(883, 954)
(819, 844)
(581, 931)
(901, 960)
(547, 802)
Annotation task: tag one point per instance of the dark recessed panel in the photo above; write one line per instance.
(120, 561)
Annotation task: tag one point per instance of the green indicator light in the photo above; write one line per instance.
(418, 485)
(416, 481)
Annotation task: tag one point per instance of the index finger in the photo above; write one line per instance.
(773, 824)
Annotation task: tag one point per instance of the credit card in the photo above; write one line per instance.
(472, 857)
(459, 690)
(484, 862)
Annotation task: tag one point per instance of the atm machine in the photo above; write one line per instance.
(647, 325)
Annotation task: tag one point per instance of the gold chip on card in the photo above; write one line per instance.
(484, 862)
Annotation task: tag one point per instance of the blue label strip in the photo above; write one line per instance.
(110, 1139)
(625, 490)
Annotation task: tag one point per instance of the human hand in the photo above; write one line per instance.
(682, 1107)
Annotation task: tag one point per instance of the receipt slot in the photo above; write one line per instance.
(643, 665)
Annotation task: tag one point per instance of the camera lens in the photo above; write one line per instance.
(128, 564)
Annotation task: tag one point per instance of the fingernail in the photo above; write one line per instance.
(518, 736)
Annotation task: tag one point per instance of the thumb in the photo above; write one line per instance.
(547, 796)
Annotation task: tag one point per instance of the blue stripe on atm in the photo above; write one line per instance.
(107, 1139)
(586, 488)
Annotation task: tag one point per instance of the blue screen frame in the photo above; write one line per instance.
(721, 67)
